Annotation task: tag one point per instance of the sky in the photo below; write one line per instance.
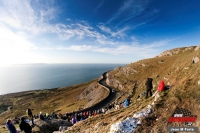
(94, 31)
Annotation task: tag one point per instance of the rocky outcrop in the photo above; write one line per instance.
(128, 70)
(195, 59)
(89, 93)
(49, 126)
(198, 47)
(143, 65)
(176, 51)
(117, 69)
(169, 52)
(189, 48)
(111, 81)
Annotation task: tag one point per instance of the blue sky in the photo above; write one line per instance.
(94, 31)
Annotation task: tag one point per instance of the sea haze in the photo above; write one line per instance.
(19, 78)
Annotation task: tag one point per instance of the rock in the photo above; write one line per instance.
(196, 59)
(143, 65)
(188, 48)
(98, 125)
(117, 69)
(186, 67)
(128, 70)
(110, 80)
(198, 47)
(165, 78)
(51, 125)
(169, 52)
(62, 128)
(199, 82)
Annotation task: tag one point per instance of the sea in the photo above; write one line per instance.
(18, 78)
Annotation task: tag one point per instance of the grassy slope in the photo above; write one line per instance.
(59, 100)
(185, 93)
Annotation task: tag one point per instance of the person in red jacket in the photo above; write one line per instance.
(161, 86)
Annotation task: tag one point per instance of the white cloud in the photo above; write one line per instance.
(97, 8)
(25, 20)
(28, 16)
(134, 13)
(145, 50)
(120, 32)
(77, 48)
(31, 18)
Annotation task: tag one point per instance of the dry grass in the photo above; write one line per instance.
(176, 70)
(59, 100)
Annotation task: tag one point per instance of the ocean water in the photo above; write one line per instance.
(19, 78)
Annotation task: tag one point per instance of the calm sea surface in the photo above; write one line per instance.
(18, 78)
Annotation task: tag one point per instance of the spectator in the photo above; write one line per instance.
(126, 103)
(30, 114)
(11, 126)
(41, 116)
(73, 119)
(25, 126)
(149, 86)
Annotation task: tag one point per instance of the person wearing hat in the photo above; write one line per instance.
(25, 126)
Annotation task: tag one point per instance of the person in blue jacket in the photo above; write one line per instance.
(11, 126)
(126, 102)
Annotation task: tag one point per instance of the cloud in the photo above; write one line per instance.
(77, 48)
(134, 48)
(26, 16)
(120, 32)
(125, 6)
(97, 8)
(142, 50)
(134, 13)
(33, 18)
(21, 22)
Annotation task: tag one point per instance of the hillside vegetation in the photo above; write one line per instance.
(59, 100)
(179, 68)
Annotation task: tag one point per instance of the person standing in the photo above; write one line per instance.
(11, 126)
(30, 114)
(25, 126)
(149, 86)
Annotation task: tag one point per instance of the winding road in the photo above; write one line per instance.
(107, 100)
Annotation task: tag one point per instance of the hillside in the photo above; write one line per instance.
(58, 100)
(179, 68)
